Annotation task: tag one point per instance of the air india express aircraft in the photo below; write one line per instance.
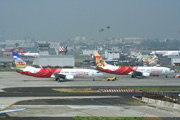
(57, 73)
(134, 71)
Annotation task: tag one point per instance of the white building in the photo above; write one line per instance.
(175, 61)
(88, 52)
(112, 54)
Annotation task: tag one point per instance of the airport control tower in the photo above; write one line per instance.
(43, 48)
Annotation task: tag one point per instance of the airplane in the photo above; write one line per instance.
(16, 110)
(27, 54)
(166, 53)
(21, 51)
(134, 71)
(8, 52)
(57, 73)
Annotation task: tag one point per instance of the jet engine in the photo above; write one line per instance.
(69, 77)
(145, 74)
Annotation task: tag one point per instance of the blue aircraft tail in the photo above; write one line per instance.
(19, 62)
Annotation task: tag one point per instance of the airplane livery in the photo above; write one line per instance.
(134, 71)
(57, 73)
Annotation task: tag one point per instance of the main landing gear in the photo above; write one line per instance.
(58, 79)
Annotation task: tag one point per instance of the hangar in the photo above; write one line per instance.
(54, 60)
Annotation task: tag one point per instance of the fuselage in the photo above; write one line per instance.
(48, 73)
(30, 54)
(126, 70)
(165, 53)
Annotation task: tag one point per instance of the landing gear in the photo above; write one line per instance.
(57, 79)
(166, 76)
(93, 79)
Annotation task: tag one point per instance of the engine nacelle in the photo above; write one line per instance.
(145, 74)
(69, 77)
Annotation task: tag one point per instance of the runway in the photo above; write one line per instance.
(36, 94)
(13, 79)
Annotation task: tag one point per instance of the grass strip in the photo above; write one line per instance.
(75, 90)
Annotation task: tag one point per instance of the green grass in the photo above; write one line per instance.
(75, 90)
(109, 118)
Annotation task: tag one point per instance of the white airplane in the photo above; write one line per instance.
(166, 53)
(28, 54)
(134, 71)
(16, 110)
(57, 73)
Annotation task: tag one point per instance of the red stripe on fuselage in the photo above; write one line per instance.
(43, 73)
(122, 70)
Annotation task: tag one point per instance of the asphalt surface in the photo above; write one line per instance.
(43, 103)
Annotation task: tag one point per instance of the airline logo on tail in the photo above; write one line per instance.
(99, 61)
(20, 64)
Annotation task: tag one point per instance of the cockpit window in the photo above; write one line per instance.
(98, 72)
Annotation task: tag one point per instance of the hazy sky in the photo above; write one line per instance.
(55, 20)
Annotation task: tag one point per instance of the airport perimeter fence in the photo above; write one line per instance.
(164, 96)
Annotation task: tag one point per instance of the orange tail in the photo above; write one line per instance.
(99, 61)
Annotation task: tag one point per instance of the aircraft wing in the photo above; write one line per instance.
(57, 75)
(60, 76)
(16, 110)
(139, 74)
(63, 76)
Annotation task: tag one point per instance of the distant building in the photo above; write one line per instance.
(112, 54)
(115, 41)
(43, 48)
(79, 39)
(175, 60)
(88, 52)
(99, 48)
(133, 40)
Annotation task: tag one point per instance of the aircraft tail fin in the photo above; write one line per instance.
(19, 62)
(99, 61)
(22, 50)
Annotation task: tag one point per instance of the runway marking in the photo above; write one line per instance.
(117, 90)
